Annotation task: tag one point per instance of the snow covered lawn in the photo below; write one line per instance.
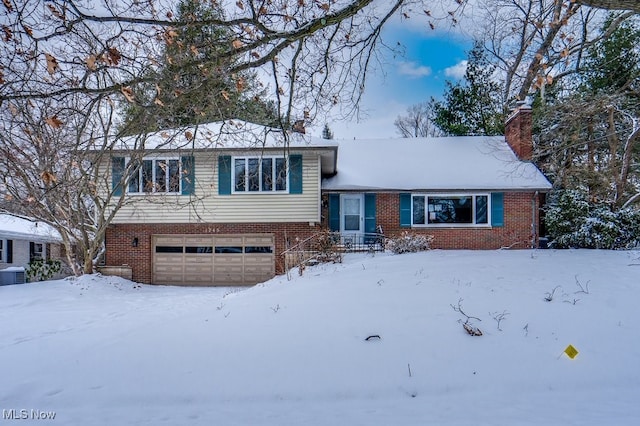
(105, 351)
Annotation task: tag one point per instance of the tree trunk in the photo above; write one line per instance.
(88, 263)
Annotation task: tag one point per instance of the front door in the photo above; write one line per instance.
(352, 217)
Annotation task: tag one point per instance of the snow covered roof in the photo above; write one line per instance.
(229, 134)
(448, 163)
(13, 227)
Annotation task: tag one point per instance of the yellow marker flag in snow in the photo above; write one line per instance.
(571, 352)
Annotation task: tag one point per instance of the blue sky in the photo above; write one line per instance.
(430, 58)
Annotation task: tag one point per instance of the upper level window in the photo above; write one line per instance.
(471, 209)
(259, 174)
(158, 175)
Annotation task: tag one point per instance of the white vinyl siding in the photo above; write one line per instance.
(207, 206)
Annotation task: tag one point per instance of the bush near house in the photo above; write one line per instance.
(573, 221)
(408, 242)
(42, 270)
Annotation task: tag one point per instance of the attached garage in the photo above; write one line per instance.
(213, 260)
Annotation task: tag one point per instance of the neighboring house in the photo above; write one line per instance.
(23, 240)
(212, 208)
(468, 192)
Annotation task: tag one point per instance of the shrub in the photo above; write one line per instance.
(410, 243)
(42, 270)
(574, 222)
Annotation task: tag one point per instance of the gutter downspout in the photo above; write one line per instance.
(534, 226)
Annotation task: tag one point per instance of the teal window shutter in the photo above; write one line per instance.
(334, 212)
(117, 170)
(295, 174)
(224, 175)
(405, 210)
(497, 209)
(188, 174)
(369, 217)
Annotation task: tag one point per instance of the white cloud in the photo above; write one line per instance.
(412, 69)
(456, 71)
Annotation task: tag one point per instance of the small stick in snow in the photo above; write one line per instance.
(549, 297)
(583, 289)
(373, 336)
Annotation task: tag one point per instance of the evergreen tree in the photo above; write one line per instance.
(588, 136)
(326, 132)
(473, 106)
(193, 86)
(613, 64)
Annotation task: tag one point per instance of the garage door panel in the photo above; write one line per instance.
(169, 267)
(198, 259)
(229, 259)
(258, 241)
(196, 240)
(168, 257)
(228, 268)
(226, 278)
(169, 240)
(229, 241)
(169, 279)
(198, 279)
(258, 267)
(199, 269)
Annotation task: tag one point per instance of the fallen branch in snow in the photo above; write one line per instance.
(459, 309)
(471, 330)
(373, 336)
(468, 327)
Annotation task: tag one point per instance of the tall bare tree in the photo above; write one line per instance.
(67, 67)
(418, 122)
(537, 43)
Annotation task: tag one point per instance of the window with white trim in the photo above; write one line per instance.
(157, 175)
(259, 174)
(450, 210)
(2, 250)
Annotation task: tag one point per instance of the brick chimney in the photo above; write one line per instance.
(517, 131)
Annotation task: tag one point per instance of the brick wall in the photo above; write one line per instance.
(119, 238)
(516, 232)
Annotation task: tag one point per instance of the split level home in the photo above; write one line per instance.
(23, 240)
(220, 204)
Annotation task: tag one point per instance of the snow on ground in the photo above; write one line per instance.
(105, 351)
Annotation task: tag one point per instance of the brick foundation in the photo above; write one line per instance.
(119, 239)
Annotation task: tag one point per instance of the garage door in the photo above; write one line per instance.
(206, 260)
